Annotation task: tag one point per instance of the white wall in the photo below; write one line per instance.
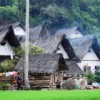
(19, 31)
(90, 59)
(76, 34)
(62, 51)
(6, 50)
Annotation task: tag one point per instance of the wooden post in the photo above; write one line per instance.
(51, 80)
(26, 70)
(62, 78)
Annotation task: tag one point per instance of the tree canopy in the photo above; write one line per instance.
(63, 13)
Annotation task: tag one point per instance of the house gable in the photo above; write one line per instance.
(90, 60)
(73, 32)
(62, 51)
(76, 34)
(90, 55)
(6, 49)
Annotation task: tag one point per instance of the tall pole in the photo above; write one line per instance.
(27, 86)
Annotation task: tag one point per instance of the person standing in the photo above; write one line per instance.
(19, 80)
(57, 84)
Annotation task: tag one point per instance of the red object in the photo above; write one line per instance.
(15, 74)
(14, 82)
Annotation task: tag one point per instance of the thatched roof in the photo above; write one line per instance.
(82, 45)
(7, 33)
(73, 68)
(14, 25)
(49, 44)
(67, 31)
(43, 63)
(38, 31)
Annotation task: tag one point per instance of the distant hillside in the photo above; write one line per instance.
(56, 13)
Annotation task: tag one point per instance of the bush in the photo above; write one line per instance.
(7, 86)
(1, 85)
(97, 76)
(32, 50)
(90, 77)
(69, 84)
(7, 65)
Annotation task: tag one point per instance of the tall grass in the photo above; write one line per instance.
(50, 95)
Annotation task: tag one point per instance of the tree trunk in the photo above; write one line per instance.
(26, 70)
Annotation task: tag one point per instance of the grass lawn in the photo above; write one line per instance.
(50, 95)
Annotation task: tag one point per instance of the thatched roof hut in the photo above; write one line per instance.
(38, 31)
(68, 31)
(43, 63)
(82, 45)
(7, 33)
(73, 68)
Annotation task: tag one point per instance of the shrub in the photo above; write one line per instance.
(7, 65)
(97, 76)
(32, 50)
(90, 77)
(7, 86)
(1, 85)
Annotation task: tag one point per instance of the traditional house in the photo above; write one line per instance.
(18, 30)
(8, 40)
(70, 32)
(59, 44)
(38, 31)
(34, 33)
(87, 51)
(55, 44)
(46, 68)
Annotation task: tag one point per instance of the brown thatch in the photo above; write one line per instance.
(38, 31)
(14, 25)
(82, 45)
(49, 44)
(73, 68)
(43, 63)
(7, 33)
(67, 31)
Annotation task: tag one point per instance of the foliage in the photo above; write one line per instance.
(32, 50)
(84, 13)
(9, 11)
(19, 51)
(97, 76)
(55, 12)
(35, 49)
(1, 85)
(7, 65)
(90, 77)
